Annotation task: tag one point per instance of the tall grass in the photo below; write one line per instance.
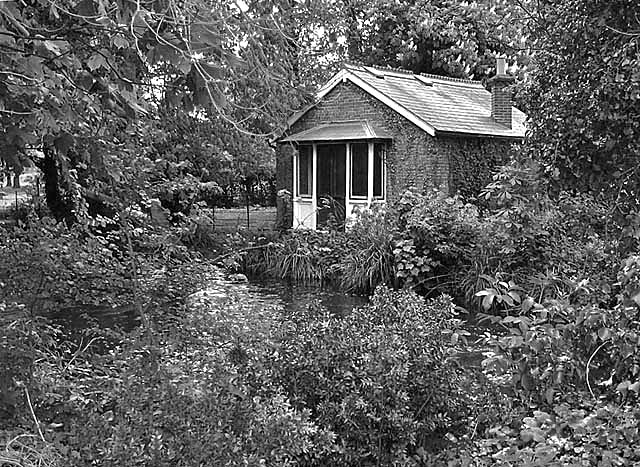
(295, 257)
(370, 260)
(358, 259)
(296, 262)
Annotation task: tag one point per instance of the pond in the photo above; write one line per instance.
(257, 293)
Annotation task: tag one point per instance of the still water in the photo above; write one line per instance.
(256, 294)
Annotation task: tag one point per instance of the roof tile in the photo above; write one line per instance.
(449, 105)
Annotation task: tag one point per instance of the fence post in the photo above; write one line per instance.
(246, 188)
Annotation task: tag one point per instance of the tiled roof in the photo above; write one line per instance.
(435, 103)
(340, 131)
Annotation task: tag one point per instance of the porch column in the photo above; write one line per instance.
(294, 188)
(314, 189)
(370, 175)
(347, 181)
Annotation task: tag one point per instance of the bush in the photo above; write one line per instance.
(191, 393)
(379, 378)
(304, 256)
(445, 234)
(587, 434)
(161, 415)
(560, 348)
(369, 260)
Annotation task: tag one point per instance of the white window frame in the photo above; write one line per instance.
(310, 172)
(350, 171)
(383, 177)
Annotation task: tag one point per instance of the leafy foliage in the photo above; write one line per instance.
(80, 81)
(378, 378)
(582, 96)
(567, 435)
(430, 36)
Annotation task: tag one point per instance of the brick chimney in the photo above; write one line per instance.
(500, 95)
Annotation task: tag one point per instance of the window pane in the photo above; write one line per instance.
(359, 168)
(378, 170)
(305, 170)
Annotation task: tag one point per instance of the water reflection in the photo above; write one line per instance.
(290, 298)
(124, 318)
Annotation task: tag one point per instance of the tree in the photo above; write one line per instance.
(447, 37)
(583, 97)
(74, 74)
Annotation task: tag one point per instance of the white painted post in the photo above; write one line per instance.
(347, 181)
(294, 190)
(314, 188)
(370, 176)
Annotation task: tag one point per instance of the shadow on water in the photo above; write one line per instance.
(79, 317)
(294, 298)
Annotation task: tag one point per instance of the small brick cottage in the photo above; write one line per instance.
(374, 132)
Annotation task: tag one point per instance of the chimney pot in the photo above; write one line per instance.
(500, 66)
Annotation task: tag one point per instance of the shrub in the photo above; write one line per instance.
(303, 256)
(568, 434)
(191, 393)
(369, 261)
(161, 415)
(560, 349)
(379, 378)
(447, 242)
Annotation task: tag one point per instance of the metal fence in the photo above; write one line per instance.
(10, 202)
(234, 219)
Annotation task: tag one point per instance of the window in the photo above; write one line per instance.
(359, 169)
(305, 170)
(379, 151)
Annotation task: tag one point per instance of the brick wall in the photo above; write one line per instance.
(501, 102)
(284, 167)
(415, 159)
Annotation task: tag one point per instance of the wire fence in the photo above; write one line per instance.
(234, 219)
(11, 202)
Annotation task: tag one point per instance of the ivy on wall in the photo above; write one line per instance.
(472, 162)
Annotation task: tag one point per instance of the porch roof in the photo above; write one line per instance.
(340, 131)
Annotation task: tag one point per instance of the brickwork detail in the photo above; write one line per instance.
(501, 110)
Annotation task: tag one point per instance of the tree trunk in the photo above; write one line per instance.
(59, 204)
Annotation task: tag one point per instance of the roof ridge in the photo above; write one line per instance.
(450, 78)
(389, 68)
(411, 73)
(332, 122)
(355, 63)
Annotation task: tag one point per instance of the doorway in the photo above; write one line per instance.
(331, 183)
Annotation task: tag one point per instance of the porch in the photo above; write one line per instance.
(337, 168)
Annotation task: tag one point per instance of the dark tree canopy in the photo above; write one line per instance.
(583, 95)
(431, 36)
